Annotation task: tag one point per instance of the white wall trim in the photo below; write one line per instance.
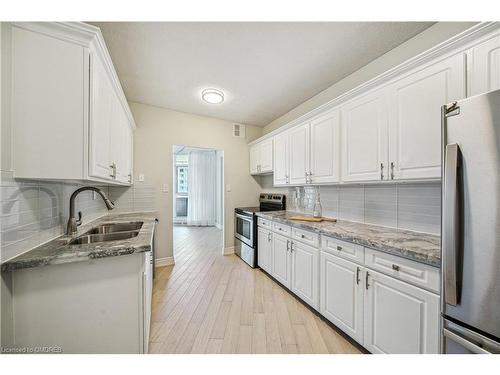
(455, 44)
(228, 250)
(167, 261)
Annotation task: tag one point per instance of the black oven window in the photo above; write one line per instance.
(244, 228)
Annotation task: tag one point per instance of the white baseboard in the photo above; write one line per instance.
(167, 261)
(229, 250)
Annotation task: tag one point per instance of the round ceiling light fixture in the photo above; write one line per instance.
(212, 96)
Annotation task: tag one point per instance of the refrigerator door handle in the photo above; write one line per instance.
(451, 223)
(464, 342)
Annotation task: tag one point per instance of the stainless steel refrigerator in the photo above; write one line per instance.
(471, 225)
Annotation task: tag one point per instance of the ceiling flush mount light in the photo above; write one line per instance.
(212, 96)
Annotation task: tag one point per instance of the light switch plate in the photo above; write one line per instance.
(228, 187)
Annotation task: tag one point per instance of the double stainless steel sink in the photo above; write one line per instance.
(109, 232)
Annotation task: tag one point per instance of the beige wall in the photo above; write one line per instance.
(430, 37)
(158, 129)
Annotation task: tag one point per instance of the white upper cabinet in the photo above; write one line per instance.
(364, 138)
(325, 149)
(305, 273)
(101, 113)
(299, 154)
(281, 162)
(484, 66)
(399, 318)
(49, 112)
(415, 103)
(261, 157)
(70, 118)
(254, 159)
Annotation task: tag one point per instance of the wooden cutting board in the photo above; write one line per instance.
(312, 219)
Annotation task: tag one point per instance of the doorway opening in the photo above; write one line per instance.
(198, 200)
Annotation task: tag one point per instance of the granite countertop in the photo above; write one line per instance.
(58, 251)
(420, 247)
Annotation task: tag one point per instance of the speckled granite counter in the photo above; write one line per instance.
(420, 247)
(58, 251)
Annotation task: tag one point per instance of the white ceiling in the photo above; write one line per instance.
(265, 69)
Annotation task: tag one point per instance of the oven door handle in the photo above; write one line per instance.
(243, 217)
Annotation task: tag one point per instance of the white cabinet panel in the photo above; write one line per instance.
(299, 154)
(343, 249)
(264, 249)
(280, 155)
(254, 159)
(415, 117)
(266, 156)
(485, 67)
(281, 259)
(49, 106)
(101, 122)
(305, 273)
(415, 273)
(364, 138)
(399, 318)
(342, 294)
(325, 148)
(147, 297)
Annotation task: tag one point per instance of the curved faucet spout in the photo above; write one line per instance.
(72, 222)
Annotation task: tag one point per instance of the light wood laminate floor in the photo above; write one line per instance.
(210, 303)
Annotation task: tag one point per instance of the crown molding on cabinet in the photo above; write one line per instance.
(456, 44)
(86, 36)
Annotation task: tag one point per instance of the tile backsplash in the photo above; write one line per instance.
(411, 206)
(34, 212)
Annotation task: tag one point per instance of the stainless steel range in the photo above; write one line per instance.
(245, 226)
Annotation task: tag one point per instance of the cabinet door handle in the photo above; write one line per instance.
(366, 280)
(113, 170)
(395, 267)
(291, 246)
(130, 177)
(381, 171)
(287, 245)
(357, 276)
(392, 170)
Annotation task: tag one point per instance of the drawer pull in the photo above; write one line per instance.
(302, 236)
(395, 267)
(339, 248)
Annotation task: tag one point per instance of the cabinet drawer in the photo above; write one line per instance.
(264, 223)
(404, 269)
(282, 229)
(307, 237)
(343, 249)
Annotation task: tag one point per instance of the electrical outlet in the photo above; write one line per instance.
(164, 188)
(141, 178)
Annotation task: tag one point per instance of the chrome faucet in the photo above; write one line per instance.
(74, 223)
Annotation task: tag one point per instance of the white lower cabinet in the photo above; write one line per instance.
(305, 273)
(264, 249)
(399, 318)
(281, 259)
(380, 312)
(342, 294)
(96, 306)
